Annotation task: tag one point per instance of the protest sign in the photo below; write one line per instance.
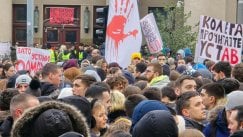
(32, 59)
(5, 50)
(219, 40)
(151, 33)
(123, 33)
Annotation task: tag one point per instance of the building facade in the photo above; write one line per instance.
(83, 27)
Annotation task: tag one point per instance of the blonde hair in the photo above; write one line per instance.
(62, 48)
(191, 133)
(121, 123)
(117, 101)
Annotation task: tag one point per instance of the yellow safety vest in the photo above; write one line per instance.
(80, 56)
(66, 57)
(52, 56)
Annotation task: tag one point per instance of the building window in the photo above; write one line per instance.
(240, 12)
(20, 14)
(19, 24)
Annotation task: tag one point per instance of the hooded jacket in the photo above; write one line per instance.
(157, 123)
(144, 107)
(26, 125)
(218, 125)
(160, 81)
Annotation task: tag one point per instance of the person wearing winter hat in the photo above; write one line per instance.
(157, 123)
(70, 63)
(34, 88)
(22, 82)
(94, 74)
(144, 107)
(50, 119)
(136, 58)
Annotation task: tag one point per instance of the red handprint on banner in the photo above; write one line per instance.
(115, 28)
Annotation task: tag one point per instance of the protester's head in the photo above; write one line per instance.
(20, 103)
(136, 58)
(71, 73)
(130, 90)
(185, 83)
(234, 99)
(117, 101)
(22, 82)
(221, 70)
(144, 107)
(131, 102)
(190, 105)
(51, 73)
(211, 94)
(8, 70)
(5, 98)
(162, 59)
(153, 70)
(230, 84)
(236, 119)
(81, 83)
(139, 69)
(168, 95)
(237, 72)
(142, 84)
(117, 83)
(100, 93)
(152, 125)
(152, 93)
(99, 116)
(181, 62)
(50, 119)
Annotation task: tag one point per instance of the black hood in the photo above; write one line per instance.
(157, 123)
(24, 124)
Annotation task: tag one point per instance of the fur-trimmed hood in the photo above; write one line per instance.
(213, 114)
(24, 124)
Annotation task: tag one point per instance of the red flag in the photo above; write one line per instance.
(61, 15)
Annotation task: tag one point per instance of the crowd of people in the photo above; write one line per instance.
(79, 94)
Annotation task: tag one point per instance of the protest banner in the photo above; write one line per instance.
(151, 33)
(123, 34)
(32, 59)
(5, 50)
(60, 15)
(219, 40)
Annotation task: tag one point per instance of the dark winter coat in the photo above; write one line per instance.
(48, 89)
(34, 123)
(6, 127)
(218, 124)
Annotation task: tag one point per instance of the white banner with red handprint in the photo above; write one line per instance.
(123, 34)
(151, 33)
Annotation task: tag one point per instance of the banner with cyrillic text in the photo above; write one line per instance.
(219, 40)
(151, 33)
(31, 59)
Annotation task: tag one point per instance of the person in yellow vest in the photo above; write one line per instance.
(53, 55)
(80, 54)
(64, 54)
